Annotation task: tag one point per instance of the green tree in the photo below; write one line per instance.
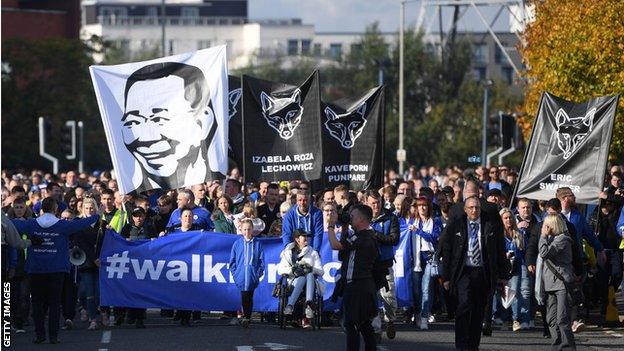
(47, 78)
(575, 50)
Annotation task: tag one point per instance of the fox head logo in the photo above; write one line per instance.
(572, 131)
(282, 114)
(346, 128)
(233, 99)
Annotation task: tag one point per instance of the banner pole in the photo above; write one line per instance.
(526, 152)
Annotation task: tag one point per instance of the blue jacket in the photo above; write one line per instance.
(201, 218)
(510, 246)
(583, 231)
(386, 227)
(247, 263)
(53, 255)
(432, 237)
(310, 223)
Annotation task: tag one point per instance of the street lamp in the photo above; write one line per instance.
(401, 154)
(487, 84)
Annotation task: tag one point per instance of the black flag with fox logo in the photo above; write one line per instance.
(235, 109)
(281, 130)
(569, 146)
(353, 141)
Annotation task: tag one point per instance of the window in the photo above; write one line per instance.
(356, 49)
(317, 49)
(113, 11)
(305, 46)
(508, 74)
(481, 53)
(335, 51)
(479, 73)
(190, 12)
(499, 57)
(293, 47)
(203, 44)
(152, 11)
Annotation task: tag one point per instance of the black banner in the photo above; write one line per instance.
(281, 130)
(569, 147)
(353, 141)
(235, 105)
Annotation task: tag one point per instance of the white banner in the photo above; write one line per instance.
(166, 120)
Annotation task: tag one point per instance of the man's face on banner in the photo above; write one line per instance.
(160, 127)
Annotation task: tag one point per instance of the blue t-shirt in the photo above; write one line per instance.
(201, 219)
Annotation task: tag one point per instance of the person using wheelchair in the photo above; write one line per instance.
(300, 264)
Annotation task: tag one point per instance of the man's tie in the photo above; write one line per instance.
(473, 244)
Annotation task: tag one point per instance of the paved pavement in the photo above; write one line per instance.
(213, 333)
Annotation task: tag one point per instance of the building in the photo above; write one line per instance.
(40, 19)
(489, 60)
(192, 24)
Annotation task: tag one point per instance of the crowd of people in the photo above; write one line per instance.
(472, 244)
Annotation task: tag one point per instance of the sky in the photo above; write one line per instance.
(355, 15)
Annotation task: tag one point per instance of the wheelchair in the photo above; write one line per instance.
(283, 290)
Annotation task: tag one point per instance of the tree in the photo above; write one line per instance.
(48, 78)
(443, 107)
(575, 50)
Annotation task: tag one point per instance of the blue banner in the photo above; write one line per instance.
(190, 271)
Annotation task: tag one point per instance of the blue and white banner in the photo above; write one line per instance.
(190, 271)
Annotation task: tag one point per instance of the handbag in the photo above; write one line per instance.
(574, 290)
(436, 267)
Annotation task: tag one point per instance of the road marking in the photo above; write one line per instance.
(106, 336)
(276, 346)
(382, 348)
(244, 348)
(613, 333)
(102, 349)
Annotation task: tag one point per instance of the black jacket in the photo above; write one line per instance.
(90, 241)
(454, 251)
(365, 256)
(132, 233)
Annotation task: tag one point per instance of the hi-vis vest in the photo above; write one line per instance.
(118, 221)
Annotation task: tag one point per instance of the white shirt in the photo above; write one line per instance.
(468, 261)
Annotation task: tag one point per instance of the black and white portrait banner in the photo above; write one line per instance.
(166, 120)
(281, 130)
(353, 140)
(569, 147)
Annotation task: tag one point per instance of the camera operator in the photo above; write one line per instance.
(359, 255)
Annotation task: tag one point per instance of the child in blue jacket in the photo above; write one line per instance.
(247, 266)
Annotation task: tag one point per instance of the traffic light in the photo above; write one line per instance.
(47, 130)
(68, 140)
(507, 130)
(493, 130)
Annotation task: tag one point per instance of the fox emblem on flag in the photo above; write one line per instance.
(347, 127)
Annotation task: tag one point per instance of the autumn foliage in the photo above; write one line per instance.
(575, 50)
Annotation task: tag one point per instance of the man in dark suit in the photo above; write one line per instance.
(474, 262)
(489, 211)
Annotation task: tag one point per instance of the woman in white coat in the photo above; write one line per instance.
(301, 264)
